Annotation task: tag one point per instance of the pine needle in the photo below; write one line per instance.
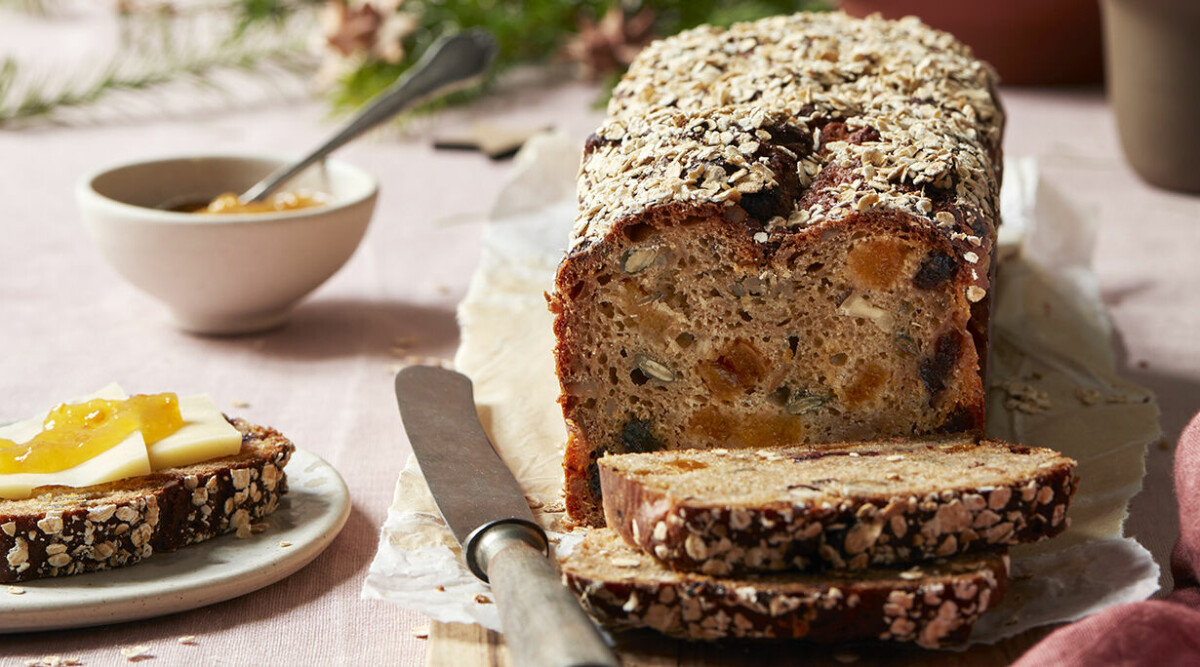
(34, 7)
(155, 55)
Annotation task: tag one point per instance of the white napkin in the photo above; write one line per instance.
(1050, 334)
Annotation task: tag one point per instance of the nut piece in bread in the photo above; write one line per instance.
(785, 234)
(845, 506)
(934, 606)
(63, 530)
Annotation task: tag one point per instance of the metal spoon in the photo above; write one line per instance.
(451, 63)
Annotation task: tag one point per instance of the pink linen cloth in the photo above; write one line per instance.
(1154, 632)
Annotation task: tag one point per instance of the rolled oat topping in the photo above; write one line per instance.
(900, 116)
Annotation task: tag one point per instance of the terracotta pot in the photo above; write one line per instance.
(1029, 42)
(1154, 86)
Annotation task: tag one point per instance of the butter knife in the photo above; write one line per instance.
(488, 514)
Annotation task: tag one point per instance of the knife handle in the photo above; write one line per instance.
(544, 626)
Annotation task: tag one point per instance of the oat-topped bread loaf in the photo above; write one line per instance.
(846, 506)
(63, 530)
(785, 234)
(934, 605)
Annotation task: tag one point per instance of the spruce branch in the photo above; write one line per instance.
(34, 7)
(158, 44)
(24, 97)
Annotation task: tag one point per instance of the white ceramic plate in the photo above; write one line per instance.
(309, 517)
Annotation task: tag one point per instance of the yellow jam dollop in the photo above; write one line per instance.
(282, 201)
(74, 433)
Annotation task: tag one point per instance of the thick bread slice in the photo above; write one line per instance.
(65, 530)
(846, 505)
(933, 606)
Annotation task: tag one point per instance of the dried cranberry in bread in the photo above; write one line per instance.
(934, 605)
(847, 506)
(785, 234)
(64, 530)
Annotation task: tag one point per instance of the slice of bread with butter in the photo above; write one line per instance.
(201, 476)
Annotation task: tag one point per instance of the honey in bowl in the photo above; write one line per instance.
(228, 203)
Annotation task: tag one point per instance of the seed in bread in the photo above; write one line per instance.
(785, 234)
(63, 530)
(933, 607)
(846, 506)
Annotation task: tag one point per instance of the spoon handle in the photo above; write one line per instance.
(450, 63)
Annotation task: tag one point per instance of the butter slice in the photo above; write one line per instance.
(205, 435)
(127, 459)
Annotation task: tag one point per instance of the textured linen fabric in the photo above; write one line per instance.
(1155, 632)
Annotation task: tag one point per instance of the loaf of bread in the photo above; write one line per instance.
(934, 605)
(845, 506)
(65, 530)
(786, 234)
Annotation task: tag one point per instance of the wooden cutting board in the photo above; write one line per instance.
(461, 645)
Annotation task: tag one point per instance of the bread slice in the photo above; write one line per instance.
(847, 505)
(784, 235)
(934, 605)
(64, 530)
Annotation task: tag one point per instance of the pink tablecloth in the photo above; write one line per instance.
(1152, 633)
(71, 325)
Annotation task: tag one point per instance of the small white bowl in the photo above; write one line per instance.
(226, 273)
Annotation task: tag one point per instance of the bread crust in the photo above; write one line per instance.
(852, 521)
(62, 530)
(934, 607)
(873, 192)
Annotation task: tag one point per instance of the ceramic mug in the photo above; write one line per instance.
(1029, 42)
(1153, 67)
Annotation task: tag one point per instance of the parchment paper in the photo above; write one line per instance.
(1054, 384)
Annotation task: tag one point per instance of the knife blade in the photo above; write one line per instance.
(486, 510)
